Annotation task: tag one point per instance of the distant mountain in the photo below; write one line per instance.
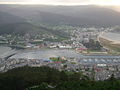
(71, 15)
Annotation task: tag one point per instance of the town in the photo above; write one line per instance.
(92, 66)
(96, 62)
(79, 38)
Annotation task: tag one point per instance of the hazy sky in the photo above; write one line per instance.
(64, 2)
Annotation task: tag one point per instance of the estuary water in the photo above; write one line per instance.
(111, 36)
(47, 53)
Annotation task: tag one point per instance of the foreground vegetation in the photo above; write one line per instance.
(45, 78)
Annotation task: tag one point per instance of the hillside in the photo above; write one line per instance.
(6, 18)
(73, 15)
(27, 28)
(10, 24)
(22, 19)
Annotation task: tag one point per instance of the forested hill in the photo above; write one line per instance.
(45, 78)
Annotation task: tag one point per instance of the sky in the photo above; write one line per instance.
(63, 2)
